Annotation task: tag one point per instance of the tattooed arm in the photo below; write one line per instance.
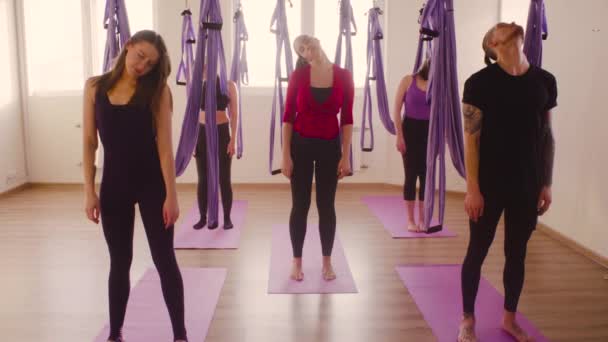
(548, 154)
(472, 127)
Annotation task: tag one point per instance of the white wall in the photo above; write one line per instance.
(574, 53)
(12, 151)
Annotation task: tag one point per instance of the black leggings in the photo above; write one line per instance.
(520, 222)
(320, 157)
(117, 217)
(414, 159)
(225, 162)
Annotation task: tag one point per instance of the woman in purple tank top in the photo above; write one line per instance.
(130, 107)
(412, 139)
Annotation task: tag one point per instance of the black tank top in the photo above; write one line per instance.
(221, 99)
(128, 135)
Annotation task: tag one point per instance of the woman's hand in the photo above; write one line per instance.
(473, 205)
(91, 207)
(170, 211)
(401, 144)
(287, 167)
(344, 167)
(231, 149)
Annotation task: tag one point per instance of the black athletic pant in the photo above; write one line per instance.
(520, 222)
(319, 157)
(225, 163)
(414, 160)
(117, 218)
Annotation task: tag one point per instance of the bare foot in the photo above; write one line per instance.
(513, 329)
(466, 331)
(412, 227)
(328, 270)
(328, 273)
(296, 270)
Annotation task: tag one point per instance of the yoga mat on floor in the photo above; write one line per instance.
(391, 211)
(189, 238)
(281, 257)
(436, 291)
(147, 318)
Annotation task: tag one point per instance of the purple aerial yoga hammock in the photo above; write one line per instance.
(116, 22)
(209, 33)
(239, 70)
(376, 67)
(279, 18)
(184, 71)
(437, 27)
(346, 19)
(536, 32)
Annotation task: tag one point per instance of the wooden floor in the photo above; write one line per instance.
(54, 265)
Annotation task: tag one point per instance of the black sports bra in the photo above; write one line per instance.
(221, 99)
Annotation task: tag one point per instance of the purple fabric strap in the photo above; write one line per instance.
(116, 22)
(536, 32)
(239, 71)
(184, 71)
(278, 26)
(376, 67)
(445, 122)
(347, 30)
(210, 40)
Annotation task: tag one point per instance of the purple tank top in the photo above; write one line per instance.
(416, 106)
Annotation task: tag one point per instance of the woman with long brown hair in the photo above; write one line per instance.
(131, 106)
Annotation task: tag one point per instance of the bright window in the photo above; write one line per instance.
(8, 65)
(327, 29)
(53, 31)
(261, 47)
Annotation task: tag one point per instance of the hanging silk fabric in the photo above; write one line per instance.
(116, 23)
(437, 26)
(376, 67)
(347, 18)
(278, 26)
(239, 71)
(210, 46)
(536, 32)
(184, 71)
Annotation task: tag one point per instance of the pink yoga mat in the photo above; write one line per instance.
(189, 238)
(436, 291)
(281, 261)
(147, 318)
(393, 215)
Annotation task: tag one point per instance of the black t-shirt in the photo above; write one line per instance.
(514, 112)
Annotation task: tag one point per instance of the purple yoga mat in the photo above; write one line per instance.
(281, 261)
(189, 238)
(393, 215)
(147, 318)
(436, 291)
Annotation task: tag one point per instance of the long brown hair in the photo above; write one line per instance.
(423, 71)
(149, 86)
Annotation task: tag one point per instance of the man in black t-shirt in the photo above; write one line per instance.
(509, 151)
